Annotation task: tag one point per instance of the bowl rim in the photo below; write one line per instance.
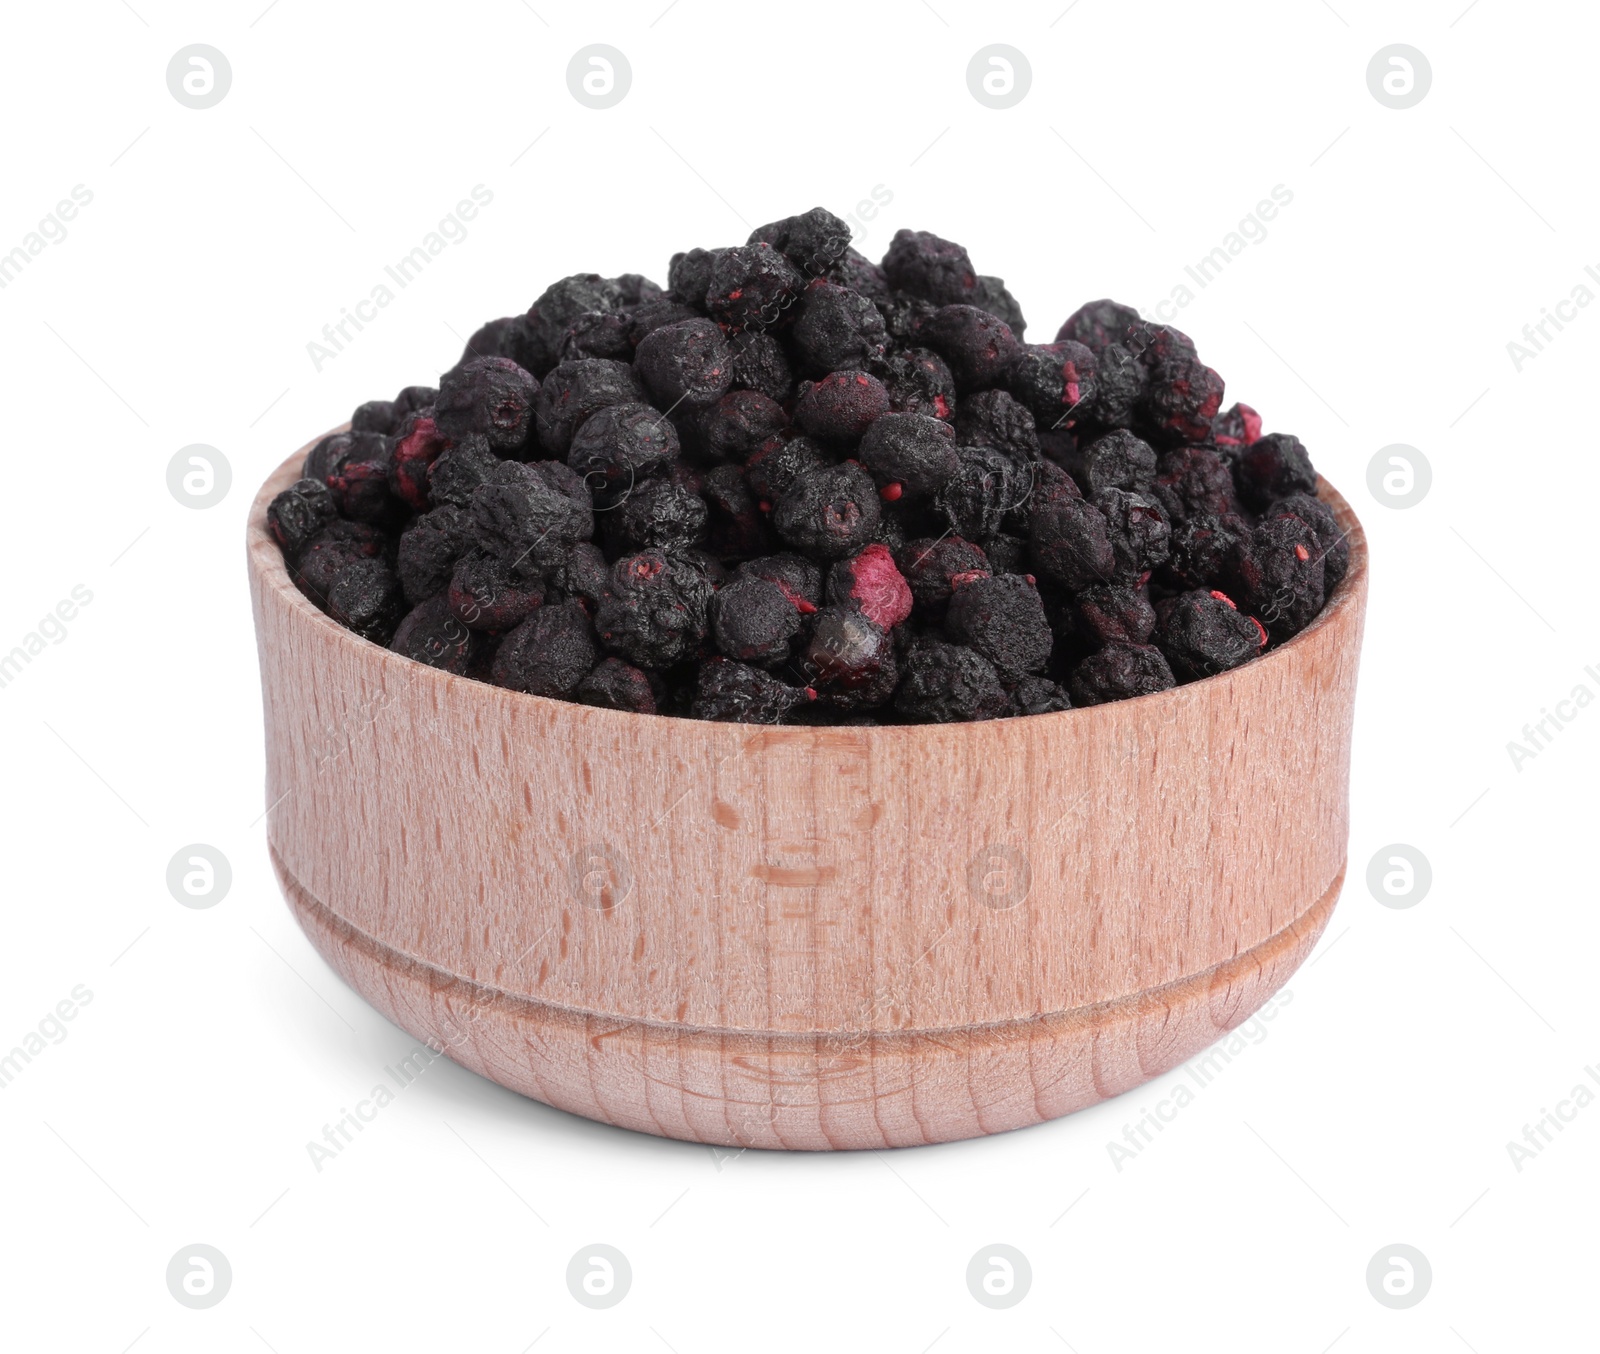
(266, 562)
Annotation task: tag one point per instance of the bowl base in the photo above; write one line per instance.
(810, 1092)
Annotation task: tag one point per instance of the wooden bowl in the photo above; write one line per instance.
(805, 937)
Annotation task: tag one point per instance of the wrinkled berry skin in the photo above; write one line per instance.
(429, 549)
(549, 653)
(850, 660)
(530, 515)
(750, 286)
(324, 557)
(1141, 536)
(736, 528)
(990, 294)
(1114, 613)
(829, 512)
(778, 463)
(689, 362)
(1002, 618)
(661, 514)
(366, 598)
(837, 329)
(487, 594)
(615, 685)
(655, 612)
(872, 584)
(1205, 550)
(737, 693)
(488, 395)
(929, 268)
(979, 347)
(1280, 568)
(948, 684)
(1119, 672)
(1058, 382)
(1098, 324)
(1039, 696)
(454, 476)
(815, 242)
(621, 444)
(1181, 396)
(430, 634)
(1069, 542)
(1273, 467)
(358, 474)
(1193, 482)
(298, 514)
(1119, 460)
(575, 390)
(738, 423)
(561, 303)
(841, 406)
(930, 567)
(760, 364)
(799, 579)
(988, 484)
(914, 451)
(992, 418)
(1333, 544)
(753, 621)
(416, 444)
(1203, 633)
(919, 381)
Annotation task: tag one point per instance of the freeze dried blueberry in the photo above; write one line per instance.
(621, 444)
(837, 329)
(1069, 542)
(487, 594)
(654, 613)
(549, 653)
(325, 555)
(752, 620)
(910, 456)
(735, 529)
(429, 549)
(948, 683)
(1281, 569)
(505, 337)
(615, 685)
(298, 514)
(850, 659)
(689, 277)
(987, 485)
(759, 364)
(738, 423)
(1039, 696)
(1205, 549)
(796, 577)
(1002, 618)
(1098, 324)
(1139, 532)
(573, 392)
(1193, 481)
(430, 634)
(321, 459)
(859, 273)
(413, 400)
(1119, 460)
(661, 514)
(1273, 467)
(685, 362)
(375, 416)
(1119, 672)
(531, 514)
(359, 479)
(778, 462)
(1237, 426)
(931, 566)
(919, 382)
(598, 333)
(366, 598)
(1204, 633)
(904, 315)
(935, 270)
(583, 572)
(828, 512)
(979, 348)
(558, 306)
(1058, 382)
(750, 286)
(841, 406)
(813, 241)
(413, 448)
(1119, 381)
(656, 313)
(992, 418)
(990, 294)
(489, 395)
(454, 476)
(1007, 554)
(1114, 613)
(740, 694)
(873, 585)
(1181, 396)
(1334, 544)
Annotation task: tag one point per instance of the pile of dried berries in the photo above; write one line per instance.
(800, 486)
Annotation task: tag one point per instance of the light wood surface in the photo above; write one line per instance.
(805, 937)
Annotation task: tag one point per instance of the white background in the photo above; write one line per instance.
(1377, 310)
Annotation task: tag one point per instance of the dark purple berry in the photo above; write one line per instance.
(615, 685)
(828, 512)
(1119, 672)
(912, 451)
(932, 269)
(488, 395)
(574, 391)
(948, 683)
(1204, 633)
(430, 634)
(1099, 323)
(366, 598)
(837, 329)
(688, 362)
(1002, 618)
(300, 513)
(737, 693)
(654, 613)
(531, 514)
(752, 620)
(979, 348)
(841, 406)
(429, 549)
(549, 653)
(1273, 467)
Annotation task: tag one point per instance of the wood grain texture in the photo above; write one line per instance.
(804, 937)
